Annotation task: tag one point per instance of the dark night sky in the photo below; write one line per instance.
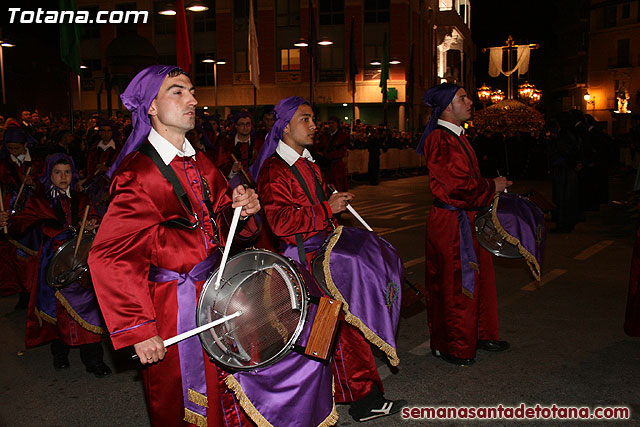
(492, 21)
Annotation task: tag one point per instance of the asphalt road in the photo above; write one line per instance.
(568, 346)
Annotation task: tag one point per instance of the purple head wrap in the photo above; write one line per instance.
(438, 98)
(52, 160)
(137, 98)
(282, 113)
(15, 134)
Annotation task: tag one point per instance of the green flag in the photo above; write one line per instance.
(384, 71)
(69, 39)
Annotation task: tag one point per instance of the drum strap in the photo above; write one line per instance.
(464, 147)
(170, 175)
(302, 254)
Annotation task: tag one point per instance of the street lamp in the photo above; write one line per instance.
(197, 6)
(484, 95)
(215, 62)
(167, 10)
(3, 44)
(590, 99)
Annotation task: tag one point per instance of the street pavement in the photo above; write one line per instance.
(568, 346)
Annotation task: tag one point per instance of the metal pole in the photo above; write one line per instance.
(215, 84)
(79, 94)
(4, 95)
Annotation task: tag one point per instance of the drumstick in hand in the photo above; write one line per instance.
(227, 246)
(26, 175)
(195, 331)
(353, 211)
(246, 176)
(84, 222)
(2, 209)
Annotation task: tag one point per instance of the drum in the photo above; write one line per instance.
(272, 298)
(513, 227)
(64, 268)
(365, 273)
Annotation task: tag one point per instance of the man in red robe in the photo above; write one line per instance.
(238, 150)
(296, 207)
(462, 304)
(155, 250)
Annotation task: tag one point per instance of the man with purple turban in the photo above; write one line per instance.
(297, 209)
(461, 291)
(158, 243)
(241, 144)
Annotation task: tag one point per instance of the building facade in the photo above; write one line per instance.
(428, 42)
(613, 81)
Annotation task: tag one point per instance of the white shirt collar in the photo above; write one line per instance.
(56, 191)
(110, 144)
(238, 140)
(452, 127)
(290, 155)
(167, 150)
(21, 158)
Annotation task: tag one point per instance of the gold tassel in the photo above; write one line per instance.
(198, 398)
(369, 335)
(532, 262)
(193, 418)
(89, 327)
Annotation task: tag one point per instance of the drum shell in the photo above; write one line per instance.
(239, 270)
(64, 269)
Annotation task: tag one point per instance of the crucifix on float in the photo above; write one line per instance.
(522, 64)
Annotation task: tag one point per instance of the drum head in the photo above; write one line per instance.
(490, 239)
(64, 268)
(270, 295)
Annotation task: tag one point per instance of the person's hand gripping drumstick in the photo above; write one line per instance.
(345, 198)
(501, 183)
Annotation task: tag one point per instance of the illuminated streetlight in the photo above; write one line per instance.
(167, 10)
(215, 62)
(376, 63)
(394, 62)
(3, 44)
(197, 6)
(324, 41)
(301, 43)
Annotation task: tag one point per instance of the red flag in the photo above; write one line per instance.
(183, 50)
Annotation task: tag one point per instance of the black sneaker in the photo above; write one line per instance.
(374, 405)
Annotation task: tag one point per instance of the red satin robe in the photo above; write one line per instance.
(41, 329)
(288, 212)
(130, 239)
(334, 149)
(456, 321)
(99, 156)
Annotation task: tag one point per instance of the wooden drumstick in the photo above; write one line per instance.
(246, 176)
(84, 222)
(22, 186)
(6, 231)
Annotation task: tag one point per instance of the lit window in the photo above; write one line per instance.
(289, 59)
